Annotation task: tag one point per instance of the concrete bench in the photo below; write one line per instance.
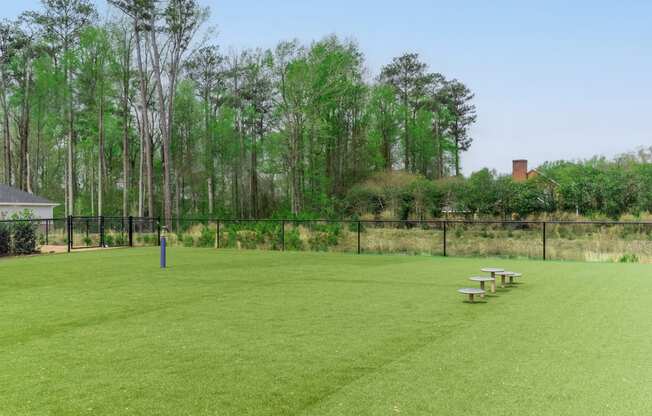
(471, 292)
(482, 280)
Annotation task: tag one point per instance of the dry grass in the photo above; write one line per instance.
(590, 243)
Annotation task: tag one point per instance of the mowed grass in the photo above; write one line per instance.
(268, 333)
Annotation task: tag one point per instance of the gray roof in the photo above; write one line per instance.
(11, 195)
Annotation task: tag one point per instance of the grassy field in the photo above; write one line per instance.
(299, 333)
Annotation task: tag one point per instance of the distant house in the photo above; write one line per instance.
(520, 172)
(14, 200)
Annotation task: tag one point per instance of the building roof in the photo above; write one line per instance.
(13, 196)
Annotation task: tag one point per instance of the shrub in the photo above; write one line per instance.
(188, 241)
(120, 240)
(108, 240)
(293, 239)
(206, 238)
(5, 240)
(24, 233)
(629, 258)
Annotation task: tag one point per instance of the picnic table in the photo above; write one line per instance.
(482, 280)
(505, 274)
(471, 292)
(493, 271)
(512, 276)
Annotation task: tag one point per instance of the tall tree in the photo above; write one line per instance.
(182, 20)
(463, 112)
(62, 21)
(407, 74)
(206, 68)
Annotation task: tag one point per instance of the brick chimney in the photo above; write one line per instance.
(519, 170)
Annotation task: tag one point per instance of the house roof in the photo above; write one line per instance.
(11, 195)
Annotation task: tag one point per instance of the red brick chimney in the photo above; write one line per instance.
(519, 170)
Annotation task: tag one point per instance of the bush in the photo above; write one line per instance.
(120, 240)
(629, 258)
(293, 239)
(206, 238)
(24, 237)
(108, 240)
(188, 241)
(5, 240)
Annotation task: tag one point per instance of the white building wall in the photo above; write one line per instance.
(6, 211)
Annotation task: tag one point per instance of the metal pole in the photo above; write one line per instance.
(445, 243)
(69, 232)
(131, 231)
(102, 231)
(282, 235)
(47, 231)
(359, 248)
(163, 244)
(217, 240)
(544, 241)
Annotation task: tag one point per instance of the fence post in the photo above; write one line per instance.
(131, 231)
(282, 235)
(544, 241)
(217, 234)
(102, 231)
(359, 248)
(47, 231)
(69, 231)
(445, 243)
(158, 231)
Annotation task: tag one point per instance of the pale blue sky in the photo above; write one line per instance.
(553, 79)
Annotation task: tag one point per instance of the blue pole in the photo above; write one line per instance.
(163, 263)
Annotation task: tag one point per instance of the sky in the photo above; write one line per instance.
(553, 79)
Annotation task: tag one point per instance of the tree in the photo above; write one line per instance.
(62, 22)
(182, 20)
(141, 13)
(384, 124)
(407, 74)
(458, 98)
(206, 68)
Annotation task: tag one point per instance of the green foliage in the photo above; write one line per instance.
(5, 239)
(293, 239)
(206, 238)
(629, 258)
(24, 233)
(120, 240)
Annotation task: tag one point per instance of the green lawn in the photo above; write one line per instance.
(267, 333)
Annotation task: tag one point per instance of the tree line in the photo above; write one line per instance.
(142, 113)
(598, 188)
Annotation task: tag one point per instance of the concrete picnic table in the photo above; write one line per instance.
(483, 279)
(512, 275)
(503, 275)
(493, 271)
(471, 291)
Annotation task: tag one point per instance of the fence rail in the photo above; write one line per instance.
(550, 239)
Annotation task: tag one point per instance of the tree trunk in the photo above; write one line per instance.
(100, 155)
(125, 129)
(7, 134)
(165, 131)
(146, 139)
